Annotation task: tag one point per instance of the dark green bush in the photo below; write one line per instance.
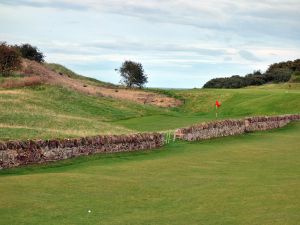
(276, 73)
(30, 52)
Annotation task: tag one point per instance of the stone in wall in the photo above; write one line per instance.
(261, 123)
(233, 127)
(211, 130)
(16, 153)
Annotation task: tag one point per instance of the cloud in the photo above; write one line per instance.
(248, 55)
(58, 4)
(117, 50)
(127, 45)
(167, 36)
(245, 18)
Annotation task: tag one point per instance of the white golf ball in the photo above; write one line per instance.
(89, 211)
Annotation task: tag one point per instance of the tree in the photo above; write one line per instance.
(10, 59)
(132, 74)
(30, 52)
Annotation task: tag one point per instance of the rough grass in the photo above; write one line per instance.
(62, 69)
(248, 179)
(50, 112)
(13, 76)
(21, 82)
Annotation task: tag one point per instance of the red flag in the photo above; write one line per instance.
(218, 104)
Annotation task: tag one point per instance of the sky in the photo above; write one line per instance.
(180, 43)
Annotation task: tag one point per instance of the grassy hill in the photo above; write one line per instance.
(247, 179)
(50, 111)
(63, 70)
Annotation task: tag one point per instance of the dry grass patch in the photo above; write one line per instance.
(22, 82)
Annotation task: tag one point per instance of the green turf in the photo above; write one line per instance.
(50, 112)
(161, 122)
(237, 103)
(248, 179)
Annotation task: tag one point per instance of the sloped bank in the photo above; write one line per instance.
(17, 153)
(224, 128)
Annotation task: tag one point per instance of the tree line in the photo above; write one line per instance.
(133, 75)
(276, 73)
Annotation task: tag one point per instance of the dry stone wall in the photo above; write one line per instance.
(260, 123)
(208, 130)
(17, 153)
(233, 127)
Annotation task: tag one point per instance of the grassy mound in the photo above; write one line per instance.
(50, 111)
(248, 179)
(64, 70)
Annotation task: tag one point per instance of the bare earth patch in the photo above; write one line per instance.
(34, 69)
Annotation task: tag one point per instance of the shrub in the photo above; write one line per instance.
(10, 59)
(30, 52)
(276, 73)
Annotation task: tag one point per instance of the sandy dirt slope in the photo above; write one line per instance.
(34, 69)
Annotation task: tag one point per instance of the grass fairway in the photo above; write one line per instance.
(248, 179)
